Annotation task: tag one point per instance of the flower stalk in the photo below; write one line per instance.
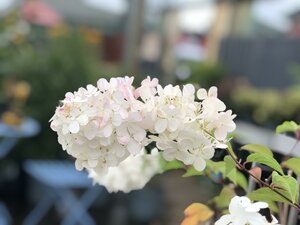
(262, 183)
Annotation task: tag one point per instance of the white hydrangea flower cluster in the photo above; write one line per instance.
(185, 129)
(243, 212)
(131, 174)
(102, 126)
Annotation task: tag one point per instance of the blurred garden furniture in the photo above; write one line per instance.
(10, 136)
(59, 178)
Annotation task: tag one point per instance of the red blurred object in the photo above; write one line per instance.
(39, 12)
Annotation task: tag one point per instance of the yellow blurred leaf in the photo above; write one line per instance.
(196, 213)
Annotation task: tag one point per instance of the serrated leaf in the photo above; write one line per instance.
(286, 185)
(257, 148)
(192, 172)
(266, 194)
(196, 213)
(266, 160)
(293, 164)
(223, 199)
(172, 165)
(287, 126)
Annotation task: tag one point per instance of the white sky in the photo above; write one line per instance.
(274, 13)
(4, 4)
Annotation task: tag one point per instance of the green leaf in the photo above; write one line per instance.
(223, 199)
(241, 180)
(273, 206)
(257, 148)
(229, 166)
(216, 167)
(293, 164)
(266, 160)
(286, 185)
(172, 165)
(287, 126)
(230, 149)
(266, 194)
(192, 172)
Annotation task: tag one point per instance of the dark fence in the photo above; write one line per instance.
(265, 62)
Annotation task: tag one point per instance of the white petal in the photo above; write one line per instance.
(92, 162)
(107, 130)
(201, 94)
(169, 154)
(213, 92)
(199, 164)
(221, 133)
(134, 147)
(173, 124)
(102, 84)
(78, 164)
(161, 125)
(224, 220)
(89, 131)
(119, 150)
(188, 89)
(255, 207)
(83, 120)
(140, 135)
(74, 127)
(208, 152)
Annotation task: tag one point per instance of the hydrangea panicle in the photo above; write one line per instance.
(101, 126)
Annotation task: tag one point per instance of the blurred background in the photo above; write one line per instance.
(250, 49)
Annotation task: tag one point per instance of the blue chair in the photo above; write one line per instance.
(10, 136)
(59, 178)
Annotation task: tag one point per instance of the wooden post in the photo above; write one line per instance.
(133, 31)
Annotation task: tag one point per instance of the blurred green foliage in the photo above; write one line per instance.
(52, 67)
(204, 74)
(266, 106)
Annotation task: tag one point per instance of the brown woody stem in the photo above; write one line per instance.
(242, 167)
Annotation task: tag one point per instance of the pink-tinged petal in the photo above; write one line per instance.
(199, 164)
(74, 127)
(201, 94)
(161, 125)
(107, 130)
(123, 140)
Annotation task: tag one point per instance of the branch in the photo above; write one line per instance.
(261, 182)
